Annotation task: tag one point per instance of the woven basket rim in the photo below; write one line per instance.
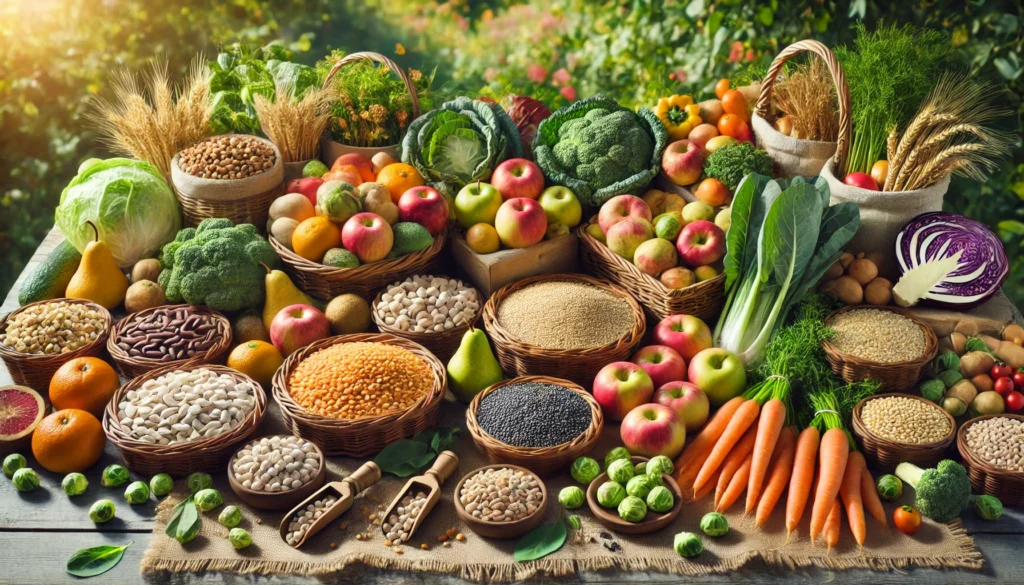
(862, 429)
(423, 336)
(386, 266)
(931, 342)
(9, 353)
(984, 466)
(221, 346)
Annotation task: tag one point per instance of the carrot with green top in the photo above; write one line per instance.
(745, 416)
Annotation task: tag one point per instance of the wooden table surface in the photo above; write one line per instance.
(40, 530)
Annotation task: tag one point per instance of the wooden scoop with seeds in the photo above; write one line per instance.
(344, 491)
(429, 485)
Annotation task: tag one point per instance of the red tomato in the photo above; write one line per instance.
(907, 519)
(1018, 380)
(734, 103)
(1014, 401)
(862, 180)
(1004, 386)
(1000, 371)
(721, 87)
(730, 125)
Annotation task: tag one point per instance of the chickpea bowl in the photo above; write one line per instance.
(246, 469)
(501, 501)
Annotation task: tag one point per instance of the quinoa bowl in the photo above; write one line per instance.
(897, 428)
(987, 474)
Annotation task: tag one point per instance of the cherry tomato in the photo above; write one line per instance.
(1003, 386)
(1018, 380)
(907, 519)
(721, 87)
(1014, 401)
(999, 371)
(730, 125)
(734, 103)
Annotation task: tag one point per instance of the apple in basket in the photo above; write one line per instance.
(425, 206)
(368, 236)
(662, 363)
(701, 243)
(686, 334)
(653, 429)
(308, 186)
(296, 326)
(621, 207)
(688, 401)
(620, 387)
(518, 177)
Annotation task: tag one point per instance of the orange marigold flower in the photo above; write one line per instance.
(399, 49)
(378, 113)
(415, 74)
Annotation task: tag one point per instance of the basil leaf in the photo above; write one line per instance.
(947, 361)
(444, 438)
(97, 560)
(184, 522)
(172, 524)
(404, 457)
(541, 541)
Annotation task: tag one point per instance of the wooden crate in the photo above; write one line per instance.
(489, 272)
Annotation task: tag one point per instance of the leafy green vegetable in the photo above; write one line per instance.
(940, 493)
(97, 560)
(408, 456)
(950, 377)
(947, 361)
(541, 541)
(730, 163)
(977, 344)
(185, 522)
(933, 389)
(889, 487)
(988, 507)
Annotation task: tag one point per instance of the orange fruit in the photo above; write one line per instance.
(68, 440)
(482, 238)
(86, 383)
(314, 236)
(721, 87)
(360, 162)
(734, 103)
(257, 359)
(730, 125)
(399, 178)
(713, 192)
(347, 173)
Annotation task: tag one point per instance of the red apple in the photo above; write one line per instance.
(701, 243)
(360, 162)
(521, 222)
(688, 401)
(625, 237)
(662, 363)
(308, 186)
(368, 236)
(620, 387)
(425, 206)
(719, 373)
(861, 180)
(686, 334)
(683, 162)
(518, 177)
(619, 208)
(653, 429)
(296, 326)
(655, 256)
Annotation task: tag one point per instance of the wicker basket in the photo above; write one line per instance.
(1008, 486)
(886, 454)
(363, 436)
(578, 365)
(893, 377)
(325, 282)
(35, 370)
(703, 299)
(130, 367)
(181, 458)
(540, 460)
(442, 345)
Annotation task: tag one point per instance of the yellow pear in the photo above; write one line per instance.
(281, 293)
(98, 279)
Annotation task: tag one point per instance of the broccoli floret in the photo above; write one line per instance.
(729, 164)
(941, 493)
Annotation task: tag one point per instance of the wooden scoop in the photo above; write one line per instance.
(430, 483)
(345, 490)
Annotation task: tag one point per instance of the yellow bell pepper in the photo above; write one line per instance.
(679, 115)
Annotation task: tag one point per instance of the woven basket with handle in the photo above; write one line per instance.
(131, 366)
(986, 478)
(886, 454)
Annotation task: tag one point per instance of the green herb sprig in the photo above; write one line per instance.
(408, 456)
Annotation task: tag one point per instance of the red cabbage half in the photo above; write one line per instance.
(948, 259)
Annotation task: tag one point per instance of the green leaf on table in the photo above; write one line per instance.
(404, 457)
(541, 541)
(184, 522)
(97, 560)
(444, 438)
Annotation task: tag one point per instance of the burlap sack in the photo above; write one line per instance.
(201, 189)
(793, 157)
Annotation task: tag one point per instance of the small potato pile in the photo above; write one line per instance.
(854, 280)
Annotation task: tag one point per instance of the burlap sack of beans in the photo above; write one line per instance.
(793, 157)
(228, 190)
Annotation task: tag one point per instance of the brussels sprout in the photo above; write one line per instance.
(632, 509)
(610, 494)
(933, 390)
(714, 524)
(25, 480)
(571, 497)
(161, 484)
(614, 455)
(12, 463)
(240, 538)
(640, 468)
(199, 481)
(74, 484)
(660, 499)
(889, 487)
(137, 492)
(575, 522)
(659, 465)
(954, 406)
(230, 516)
(102, 511)
(584, 470)
(688, 544)
(208, 499)
(114, 475)
(620, 471)
(639, 486)
(988, 507)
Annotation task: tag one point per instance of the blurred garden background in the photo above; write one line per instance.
(55, 55)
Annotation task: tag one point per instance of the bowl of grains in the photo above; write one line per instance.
(538, 422)
(178, 420)
(433, 311)
(992, 448)
(277, 472)
(897, 428)
(563, 325)
(37, 339)
(354, 394)
(887, 344)
(233, 176)
(169, 334)
(501, 500)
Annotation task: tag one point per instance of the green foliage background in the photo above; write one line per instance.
(55, 55)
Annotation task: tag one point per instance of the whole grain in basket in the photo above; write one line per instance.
(532, 414)
(360, 379)
(565, 315)
(998, 441)
(877, 335)
(905, 420)
(53, 328)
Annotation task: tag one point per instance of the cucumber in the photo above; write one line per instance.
(50, 280)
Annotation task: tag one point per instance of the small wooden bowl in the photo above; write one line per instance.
(651, 523)
(279, 500)
(501, 529)
(886, 454)
(986, 478)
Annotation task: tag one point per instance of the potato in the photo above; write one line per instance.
(863, 271)
(1013, 333)
(983, 382)
(845, 259)
(963, 390)
(848, 290)
(973, 363)
(833, 272)
(959, 341)
(877, 258)
(878, 291)
(711, 111)
(988, 403)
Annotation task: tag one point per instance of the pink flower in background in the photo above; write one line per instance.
(736, 52)
(462, 22)
(548, 22)
(679, 75)
(750, 55)
(536, 73)
(568, 92)
(489, 74)
(571, 60)
(560, 77)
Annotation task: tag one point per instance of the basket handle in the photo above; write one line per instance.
(838, 78)
(378, 58)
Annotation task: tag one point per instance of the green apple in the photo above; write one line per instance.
(477, 203)
(724, 219)
(696, 211)
(561, 206)
(595, 232)
(668, 225)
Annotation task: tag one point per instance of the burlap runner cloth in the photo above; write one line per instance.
(480, 559)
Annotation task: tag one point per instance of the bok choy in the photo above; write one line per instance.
(783, 238)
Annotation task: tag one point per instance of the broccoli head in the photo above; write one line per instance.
(941, 493)
(216, 264)
(729, 164)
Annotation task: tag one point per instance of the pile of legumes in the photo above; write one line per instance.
(501, 495)
(167, 334)
(356, 380)
(565, 315)
(998, 441)
(276, 464)
(185, 405)
(303, 520)
(428, 304)
(53, 328)
(227, 157)
(531, 414)
(878, 336)
(905, 420)
(398, 525)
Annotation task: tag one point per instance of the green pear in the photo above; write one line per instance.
(473, 367)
